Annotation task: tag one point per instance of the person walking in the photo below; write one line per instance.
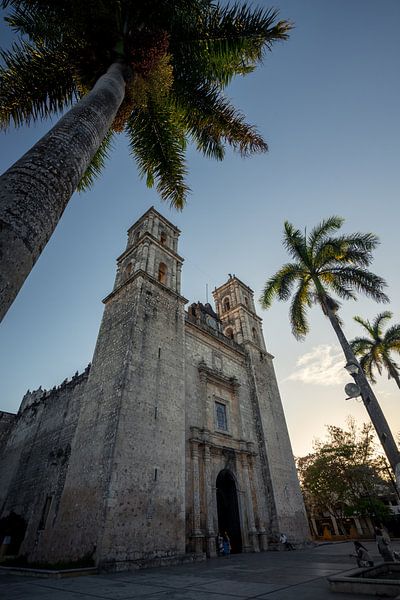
(285, 543)
(227, 545)
(384, 546)
(220, 544)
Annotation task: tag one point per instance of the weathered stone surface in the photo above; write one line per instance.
(176, 431)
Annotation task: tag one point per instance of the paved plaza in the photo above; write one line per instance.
(299, 575)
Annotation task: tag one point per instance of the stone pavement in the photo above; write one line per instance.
(299, 575)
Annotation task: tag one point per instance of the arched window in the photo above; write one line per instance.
(246, 301)
(137, 236)
(226, 304)
(255, 334)
(229, 333)
(162, 273)
(163, 237)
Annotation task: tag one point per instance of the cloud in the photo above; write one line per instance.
(323, 365)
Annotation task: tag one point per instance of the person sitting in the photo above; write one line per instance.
(362, 555)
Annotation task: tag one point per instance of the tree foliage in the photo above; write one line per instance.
(375, 351)
(179, 56)
(343, 475)
(325, 264)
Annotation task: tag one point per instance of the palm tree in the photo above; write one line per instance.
(325, 263)
(375, 351)
(155, 69)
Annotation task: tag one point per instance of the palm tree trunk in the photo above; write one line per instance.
(35, 190)
(370, 401)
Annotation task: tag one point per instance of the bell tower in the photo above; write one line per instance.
(234, 302)
(235, 306)
(151, 249)
(124, 495)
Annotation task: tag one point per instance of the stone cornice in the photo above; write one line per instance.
(230, 281)
(238, 306)
(210, 334)
(213, 375)
(204, 437)
(159, 215)
(150, 238)
(144, 275)
(256, 347)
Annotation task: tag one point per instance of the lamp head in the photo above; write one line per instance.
(352, 368)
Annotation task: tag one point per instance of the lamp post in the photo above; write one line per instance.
(376, 415)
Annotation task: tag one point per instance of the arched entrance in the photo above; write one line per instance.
(228, 509)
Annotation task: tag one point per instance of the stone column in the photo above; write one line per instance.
(208, 416)
(314, 527)
(197, 533)
(253, 537)
(260, 513)
(151, 225)
(178, 277)
(211, 549)
(335, 525)
(238, 329)
(358, 525)
(152, 268)
(145, 254)
(236, 399)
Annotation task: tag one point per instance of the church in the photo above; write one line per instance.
(174, 433)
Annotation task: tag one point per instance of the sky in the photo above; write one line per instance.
(327, 102)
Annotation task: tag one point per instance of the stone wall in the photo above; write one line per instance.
(287, 512)
(35, 458)
(6, 422)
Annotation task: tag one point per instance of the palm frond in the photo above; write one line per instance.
(209, 116)
(379, 322)
(366, 363)
(366, 325)
(322, 230)
(226, 41)
(361, 345)
(361, 280)
(44, 25)
(298, 311)
(295, 242)
(97, 165)
(357, 247)
(158, 144)
(343, 291)
(392, 338)
(35, 83)
(280, 285)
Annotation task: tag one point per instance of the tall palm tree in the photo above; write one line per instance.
(326, 264)
(155, 69)
(375, 351)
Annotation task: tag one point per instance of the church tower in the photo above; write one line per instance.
(124, 495)
(235, 306)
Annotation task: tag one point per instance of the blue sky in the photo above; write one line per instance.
(327, 102)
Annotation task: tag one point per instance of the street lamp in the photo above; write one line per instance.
(352, 368)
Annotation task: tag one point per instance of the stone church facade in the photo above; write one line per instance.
(175, 432)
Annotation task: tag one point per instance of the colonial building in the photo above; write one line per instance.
(174, 433)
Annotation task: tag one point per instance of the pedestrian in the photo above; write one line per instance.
(285, 543)
(362, 555)
(220, 544)
(384, 546)
(226, 545)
